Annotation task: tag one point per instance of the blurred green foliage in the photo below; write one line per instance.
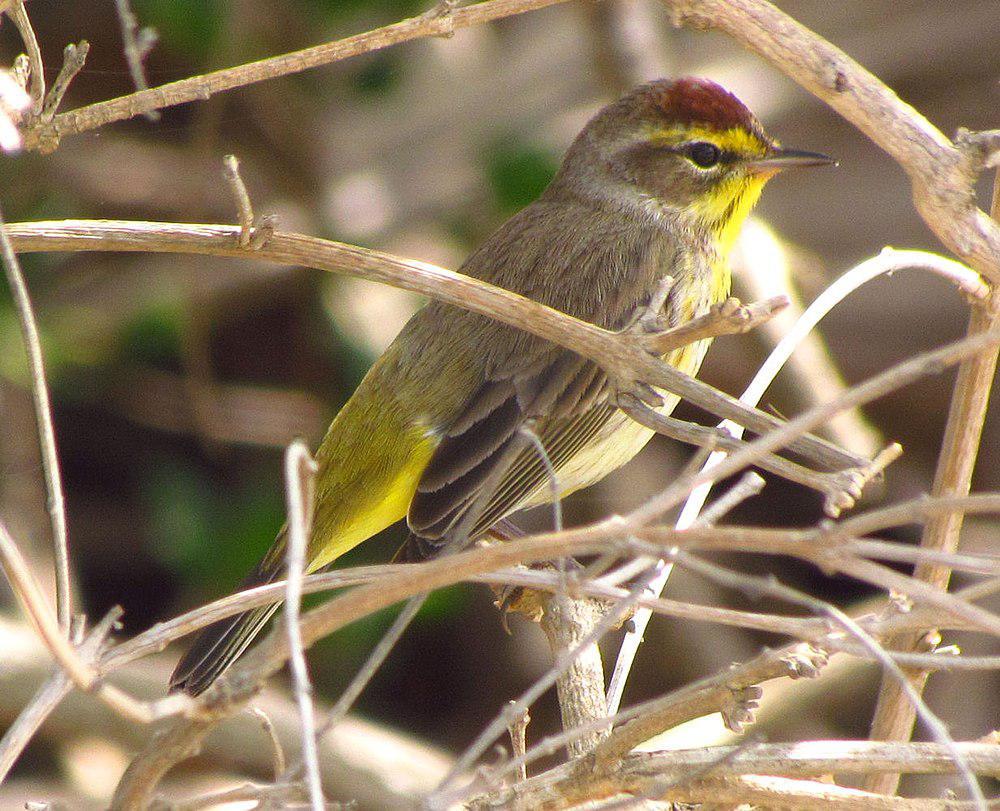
(153, 336)
(378, 76)
(209, 534)
(337, 10)
(187, 27)
(517, 173)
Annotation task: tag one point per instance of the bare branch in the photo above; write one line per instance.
(894, 714)
(136, 44)
(74, 57)
(19, 16)
(46, 433)
(567, 621)
(618, 354)
(442, 22)
(641, 771)
(300, 473)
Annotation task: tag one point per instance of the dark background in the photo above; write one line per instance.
(177, 380)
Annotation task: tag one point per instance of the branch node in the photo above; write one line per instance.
(441, 13)
(805, 662)
(741, 712)
(847, 486)
(262, 231)
(517, 726)
(729, 317)
(980, 148)
(137, 43)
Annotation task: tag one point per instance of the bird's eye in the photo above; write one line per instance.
(704, 154)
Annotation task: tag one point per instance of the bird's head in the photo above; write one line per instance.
(684, 148)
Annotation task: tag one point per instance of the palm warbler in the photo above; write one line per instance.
(657, 183)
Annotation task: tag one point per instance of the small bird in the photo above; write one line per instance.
(657, 184)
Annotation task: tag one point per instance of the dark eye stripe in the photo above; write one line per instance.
(726, 156)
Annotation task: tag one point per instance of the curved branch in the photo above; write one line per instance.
(620, 354)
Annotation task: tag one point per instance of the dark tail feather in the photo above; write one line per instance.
(219, 644)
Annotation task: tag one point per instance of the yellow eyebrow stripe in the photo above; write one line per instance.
(735, 139)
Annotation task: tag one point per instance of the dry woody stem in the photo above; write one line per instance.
(942, 172)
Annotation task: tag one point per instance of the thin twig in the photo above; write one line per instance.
(272, 734)
(747, 487)
(136, 43)
(374, 661)
(242, 197)
(20, 733)
(300, 472)
(74, 57)
(19, 16)
(46, 433)
(618, 354)
(757, 585)
(32, 599)
(887, 262)
(830, 484)
(550, 472)
(518, 730)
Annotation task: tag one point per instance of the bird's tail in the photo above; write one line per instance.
(219, 644)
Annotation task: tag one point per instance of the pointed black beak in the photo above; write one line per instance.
(779, 159)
